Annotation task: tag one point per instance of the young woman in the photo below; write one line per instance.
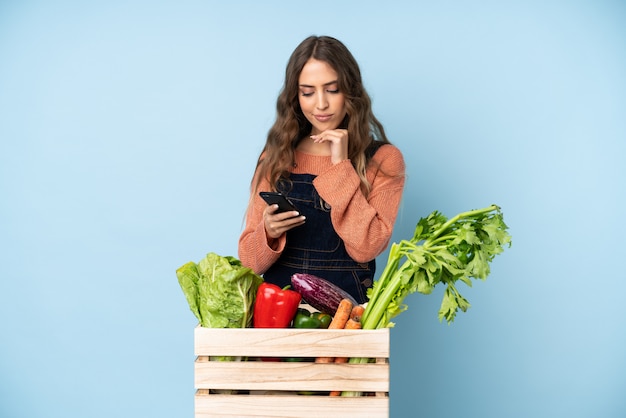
(329, 155)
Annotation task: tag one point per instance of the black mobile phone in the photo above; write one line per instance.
(284, 205)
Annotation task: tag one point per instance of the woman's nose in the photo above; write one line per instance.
(322, 103)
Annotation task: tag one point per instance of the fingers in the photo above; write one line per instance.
(331, 135)
(338, 140)
(277, 224)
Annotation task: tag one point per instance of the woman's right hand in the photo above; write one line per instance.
(277, 224)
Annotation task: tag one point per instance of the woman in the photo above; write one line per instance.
(329, 155)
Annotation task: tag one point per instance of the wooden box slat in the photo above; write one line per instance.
(283, 406)
(286, 342)
(261, 375)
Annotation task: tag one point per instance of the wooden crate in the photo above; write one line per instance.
(274, 388)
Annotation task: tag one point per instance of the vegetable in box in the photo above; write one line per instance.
(220, 291)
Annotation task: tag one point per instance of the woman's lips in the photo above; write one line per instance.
(323, 118)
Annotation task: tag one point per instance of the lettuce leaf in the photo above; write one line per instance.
(220, 291)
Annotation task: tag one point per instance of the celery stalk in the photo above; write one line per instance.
(440, 251)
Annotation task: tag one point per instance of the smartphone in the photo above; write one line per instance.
(284, 205)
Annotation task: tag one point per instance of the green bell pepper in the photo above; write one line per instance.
(324, 318)
(304, 319)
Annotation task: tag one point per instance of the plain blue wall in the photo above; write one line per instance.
(129, 132)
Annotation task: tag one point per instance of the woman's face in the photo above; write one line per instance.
(320, 99)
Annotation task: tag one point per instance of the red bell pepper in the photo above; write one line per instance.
(275, 307)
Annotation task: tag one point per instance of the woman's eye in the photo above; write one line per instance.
(307, 94)
(335, 91)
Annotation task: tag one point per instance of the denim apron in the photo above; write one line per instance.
(315, 248)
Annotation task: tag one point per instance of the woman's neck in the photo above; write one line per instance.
(307, 145)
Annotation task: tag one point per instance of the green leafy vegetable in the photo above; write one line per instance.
(220, 291)
(441, 251)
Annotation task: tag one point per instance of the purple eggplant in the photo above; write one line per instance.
(319, 293)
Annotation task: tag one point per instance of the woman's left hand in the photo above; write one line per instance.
(338, 141)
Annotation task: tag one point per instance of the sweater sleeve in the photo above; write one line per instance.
(365, 224)
(256, 250)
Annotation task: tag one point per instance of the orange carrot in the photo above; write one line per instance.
(339, 322)
(342, 315)
(352, 324)
(357, 312)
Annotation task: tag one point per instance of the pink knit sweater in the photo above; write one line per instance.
(365, 225)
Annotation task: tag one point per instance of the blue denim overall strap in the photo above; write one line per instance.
(315, 247)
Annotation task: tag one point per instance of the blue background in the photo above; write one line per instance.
(129, 133)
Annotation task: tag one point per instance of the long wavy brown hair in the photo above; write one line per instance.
(364, 130)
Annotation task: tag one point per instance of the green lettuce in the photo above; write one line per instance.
(220, 291)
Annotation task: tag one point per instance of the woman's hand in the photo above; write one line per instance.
(277, 224)
(338, 142)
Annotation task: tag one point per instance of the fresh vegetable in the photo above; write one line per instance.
(353, 322)
(220, 291)
(307, 319)
(335, 392)
(320, 293)
(357, 313)
(299, 359)
(339, 322)
(275, 307)
(342, 314)
(304, 319)
(441, 251)
(324, 318)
